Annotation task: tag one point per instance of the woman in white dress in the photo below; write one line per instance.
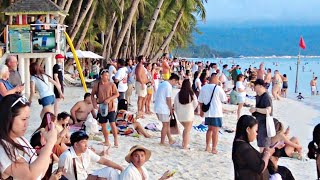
(185, 103)
(18, 158)
(241, 89)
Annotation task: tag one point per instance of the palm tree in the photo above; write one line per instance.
(66, 9)
(76, 16)
(125, 27)
(150, 28)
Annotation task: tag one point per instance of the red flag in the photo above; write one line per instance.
(302, 44)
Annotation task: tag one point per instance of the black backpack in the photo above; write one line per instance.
(123, 104)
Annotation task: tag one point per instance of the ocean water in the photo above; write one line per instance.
(307, 66)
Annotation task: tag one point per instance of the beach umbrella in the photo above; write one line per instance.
(84, 54)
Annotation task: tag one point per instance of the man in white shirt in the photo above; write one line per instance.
(112, 70)
(76, 161)
(163, 106)
(213, 117)
(121, 79)
(137, 156)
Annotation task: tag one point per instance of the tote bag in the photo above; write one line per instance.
(271, 130)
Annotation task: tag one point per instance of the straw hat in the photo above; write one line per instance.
(137, 147)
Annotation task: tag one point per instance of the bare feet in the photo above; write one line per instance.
(208, 149)
(172, 142)
(214, 151)
(105, 144)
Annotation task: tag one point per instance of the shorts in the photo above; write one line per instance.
(262, 138)
(213, 121)
(141, 92)
(107, 172)
(46, 101)
(267, 85)
(111, 117)
(241, 99)
(163, 117)
(56, 92)
(166, 76)
(313, 88)
(121, 95)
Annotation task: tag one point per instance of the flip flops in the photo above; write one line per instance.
(201, 128)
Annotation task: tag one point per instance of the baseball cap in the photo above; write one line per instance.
(58, 56)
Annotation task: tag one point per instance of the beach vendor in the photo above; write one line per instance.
(137, 156)
(75, 161)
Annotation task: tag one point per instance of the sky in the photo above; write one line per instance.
(277, 11)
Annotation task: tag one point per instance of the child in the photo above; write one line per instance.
(300, 97)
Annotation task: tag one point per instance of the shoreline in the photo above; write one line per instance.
(196, 163)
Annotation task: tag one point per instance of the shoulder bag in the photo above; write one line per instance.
(206, 107)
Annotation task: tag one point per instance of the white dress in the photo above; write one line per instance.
(185, 112)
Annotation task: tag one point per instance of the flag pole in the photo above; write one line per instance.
(297, 73)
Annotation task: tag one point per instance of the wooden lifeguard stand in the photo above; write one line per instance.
(27, 40)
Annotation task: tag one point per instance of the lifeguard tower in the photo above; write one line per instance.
(26, 39)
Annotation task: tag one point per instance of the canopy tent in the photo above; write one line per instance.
(85, 54)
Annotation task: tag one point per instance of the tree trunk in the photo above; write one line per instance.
(126, 45)
(135, 39)
(55, 1)
(76, 16)
(147, 35)
(109, 34)
(120, 21)
(66, 9)
(133, 9)
(169, 37)
(80, 20)
(62, 3)
(86, 27)
(109, 46)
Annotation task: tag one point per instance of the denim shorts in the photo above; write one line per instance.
(46, 101)
(213, 121)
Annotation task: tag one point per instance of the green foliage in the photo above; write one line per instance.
(201, 51)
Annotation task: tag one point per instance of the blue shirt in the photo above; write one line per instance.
(7, 85)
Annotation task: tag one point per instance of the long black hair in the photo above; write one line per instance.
(314, 144)
(8, 115)
(186, 92)
(243, 123)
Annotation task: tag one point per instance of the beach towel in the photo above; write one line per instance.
(152, 127)
(201, 128)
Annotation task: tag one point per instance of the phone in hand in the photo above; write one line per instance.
(48, 121)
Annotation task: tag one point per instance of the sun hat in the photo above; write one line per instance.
(137, 147)
(58, 56)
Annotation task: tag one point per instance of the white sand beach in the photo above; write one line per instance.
(196, 163)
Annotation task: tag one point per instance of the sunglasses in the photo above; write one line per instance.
(103, 71)
(21, 99)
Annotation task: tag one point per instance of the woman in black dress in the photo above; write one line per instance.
(249, 164)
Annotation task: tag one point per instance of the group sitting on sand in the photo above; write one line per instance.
(203, 91)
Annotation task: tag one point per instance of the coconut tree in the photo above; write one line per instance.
(66, 9)
(150, 28)
(132, 10)
(186, 6)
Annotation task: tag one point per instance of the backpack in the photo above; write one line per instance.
(123, 104)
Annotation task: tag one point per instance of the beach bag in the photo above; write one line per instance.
(271, 130)
(206, 107)
(92, 126)
(174, 129)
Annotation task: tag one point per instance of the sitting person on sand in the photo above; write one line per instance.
(137, 156)
(289, 147)
(76, 161)
(63, 135)
(81, 110)
(126, 124)
(300, 97)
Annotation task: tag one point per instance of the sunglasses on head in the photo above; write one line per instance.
(21, 99)
(103, 71)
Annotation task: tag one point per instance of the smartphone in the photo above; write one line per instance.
(48, 121)
(274, 145)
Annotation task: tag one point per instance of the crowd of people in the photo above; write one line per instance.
(203, 89)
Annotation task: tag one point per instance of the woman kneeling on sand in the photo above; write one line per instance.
(289, 147)
(185, 103)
